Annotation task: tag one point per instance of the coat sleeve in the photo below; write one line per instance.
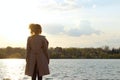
(28, 49)
(45, 49)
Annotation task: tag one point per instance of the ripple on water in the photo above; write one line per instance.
(65, 69)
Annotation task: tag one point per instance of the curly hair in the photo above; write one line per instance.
(35, 28)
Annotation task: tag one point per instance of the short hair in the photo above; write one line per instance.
(35, 28)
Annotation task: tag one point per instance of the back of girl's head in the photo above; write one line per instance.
(35, 29)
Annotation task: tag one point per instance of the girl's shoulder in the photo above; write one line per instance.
(29, 38)
(43, 38)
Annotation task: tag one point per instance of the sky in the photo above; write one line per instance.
(65, 23)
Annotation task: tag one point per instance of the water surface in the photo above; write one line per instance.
(65, 69)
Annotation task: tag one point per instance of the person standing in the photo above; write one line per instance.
(37, 57)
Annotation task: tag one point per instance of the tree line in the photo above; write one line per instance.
(66, 53)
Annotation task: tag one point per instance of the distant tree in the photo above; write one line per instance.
(65, 53)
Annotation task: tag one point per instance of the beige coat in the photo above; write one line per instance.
(37, 52)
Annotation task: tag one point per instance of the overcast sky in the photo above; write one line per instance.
(65, 23)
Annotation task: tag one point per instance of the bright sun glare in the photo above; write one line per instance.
(15, 34)
(13, 68)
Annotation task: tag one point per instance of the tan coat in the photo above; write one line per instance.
(37, 52)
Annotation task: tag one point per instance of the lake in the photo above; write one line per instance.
(65, 69)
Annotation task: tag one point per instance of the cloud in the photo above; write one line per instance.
(60, 5)
(54, 29)
(83, 29)
(64, 5)
(94, 6)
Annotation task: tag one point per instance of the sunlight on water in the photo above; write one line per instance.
(65, 69)
(13, 68)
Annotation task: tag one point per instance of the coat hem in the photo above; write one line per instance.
(39, 75)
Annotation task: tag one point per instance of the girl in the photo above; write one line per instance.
(37, 57)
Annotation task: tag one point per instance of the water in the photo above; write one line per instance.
(65, 69)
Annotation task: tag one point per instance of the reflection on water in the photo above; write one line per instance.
(12, 69)
(65, 69)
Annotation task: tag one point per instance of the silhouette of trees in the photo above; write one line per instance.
(10, 52)
(66, 53)
(83, 53)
